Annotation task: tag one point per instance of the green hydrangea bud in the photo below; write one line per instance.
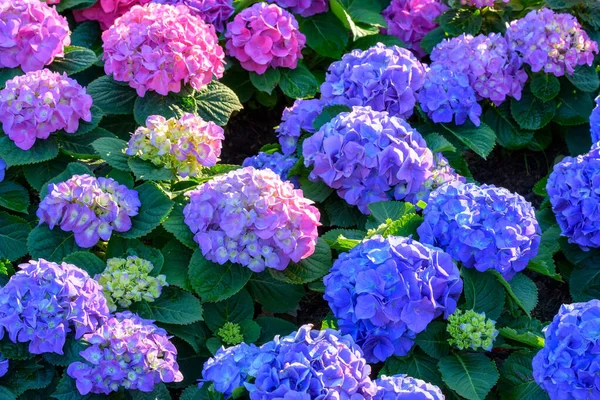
(230, 334)
(471, 330)
(127, 280)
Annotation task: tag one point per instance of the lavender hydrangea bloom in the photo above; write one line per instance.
(305, 8)
(44, 302)
(2, 169)
(368, 156)
(595, 122)
(568, 365)
(384, 78)
(89, 207)
(483, 227)
(214, 12)
(276, 162)
(403, 387)
(552, 42)
(385, 291)
(441, 174)
(295, 119)
(447, 95)
(128, 352)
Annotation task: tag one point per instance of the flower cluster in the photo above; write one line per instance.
(126, 281)
(187, 145)
(555, 43)
(276, 162)
(31, 34)
(368, 156)
(89, 207)
(231, 333)
(495, 72)
(44, 301)
(441, 174)
(575, 199)
(385, 291)
(471, 330)
(384, 78)
(2, 169)
(34, 105)
(403, 387)
(304, 8)
(595, 122)
(483, 227)
(264, 35)
(480, 3)
(127, 352)
(160, 47)
(253, 218)
(106, 11)
(567, 365)
(448, 95)
(411, 20)
(296, 119)
(214, 12)
(3, 366)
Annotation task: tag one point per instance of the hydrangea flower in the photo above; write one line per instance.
(44, 302)
(4, 363)
(494, 70)
(383, 78)
(304, 8)
(595, 121)
(214, 12)
(276, 162)
(127, 352)
(403, 387)
(480, 3)
(567, 366)
(264, 35)
(411, 20)
(471, 330)
(162, 47)
(89, 207)
(34, 105)
(385, 291)
(106, 11)
(483, 227)
(368, 156)
(574, 197)
(188, 144)
(126, 281)
(230, 333)
(441, 174)
(2, 169)
(32, 34)
(253, 218)
(296, 119)
(447, 95)
(552, 42)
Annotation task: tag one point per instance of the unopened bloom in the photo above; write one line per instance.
(106, 11)
(385, 291)
(368, 156)
(552, 42)
(187, 145)
(441, 174)
(483, 227)
(265, 35)
(403, 387)
(129, 352)
(276, 162)
(253, 218)
(44, 302)
(231, 334)
(214, 12)
(304, 8)
(32, 34)
(89, 207)
(595, 121)
(480, 3)
(297, 119)
(471, 330)
(162, 47)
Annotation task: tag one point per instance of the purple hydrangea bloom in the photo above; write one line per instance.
(214, 12)
(403, 387)
(368, 156)
(304, 8)
(385, 291)
(44, 301)
(3, 366)
(34, 105)
(128, 352)
(494, 70)
(384, 78)
(2, 169)
(567, 367)
(552, 42)
(276, 162)
(595, 122)
(89, 207)
(253, 218)
(441, 174)
(295, 119)
(447, 95)
(483, 227)
(575, 199)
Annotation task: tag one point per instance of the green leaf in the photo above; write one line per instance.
(522, 290)
(238, 80)
(591, 15)
(343, 239)
(177, 259)
(516, 380)
(367, 42)
(193, 393)
(271, 326)
(15, 351)
(14, 196)
(405, 226)
(155, 209)
(124, 178)
(42, 150)
(76, 59)
(176, 225)
(559, 4)
(325, 34)
(267, 81)
(112, 151)
(434, 340)
(457, 21)
(7, 74)
(214, 282)
(316, 191)
(148, 253)
(471, 375)
(250, 330)
(540, 187)
(74, 4)
(481, 139)
(528, 338)
(544, 86)
(112, 97)
(298, 83)
(584, 284)
(13, 236)
(365, 11)
(173, 105)
(530, 112)
(193, 334)
(6, 394)
(38, 174)
(579, 139)
(146, 171)
(574, 107)
(437, 143)
(67, 390)
(28, 375)
(417, 365)
(394, 210)
(216, 102)
(86, 34)
(543, 262)
(432, 39)
(328, 114)
(81, 146)
(52, 245)
(86, 127)
(508, 132)
(275, 296)
(310, 269)
(235, 309)
(160, 392)
(585, 78)
(72, 169)
(71, 350)
(174, 306)
(483, 293)
(341, 213)
(88, 262)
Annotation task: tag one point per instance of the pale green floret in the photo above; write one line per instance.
(230, 334)
(471, 330)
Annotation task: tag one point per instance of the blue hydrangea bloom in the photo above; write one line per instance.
(276, 162)
(3, 366)
(595, 122)
(385, 291)
(296, 119)
(483, 227)
(2, 169)
(403, 387)
(568, 365)
(447, 95)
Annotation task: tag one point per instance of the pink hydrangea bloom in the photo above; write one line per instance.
(411, 20)
(215, 12)
(106, 11)
(264, 36)
(34, 105)
(480, 3)
(31, 34)
(52, 1)
(160, 47)
(304, 8)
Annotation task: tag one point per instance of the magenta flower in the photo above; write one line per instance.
(304, 8)
(264, 35)
(161, 47)
(106, 11)
(215, 12)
